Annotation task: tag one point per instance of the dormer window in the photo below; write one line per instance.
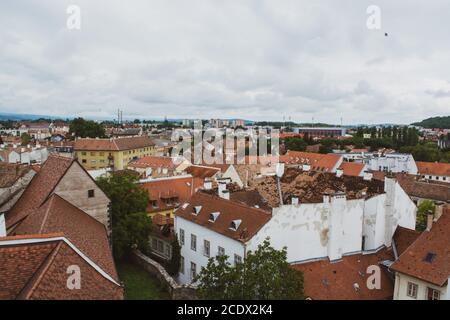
(213, 216)
(196, 210)
(234, 225)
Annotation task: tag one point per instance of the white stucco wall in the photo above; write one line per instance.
(305, 230)
(401, 288)
(74, 187)
(215, 239)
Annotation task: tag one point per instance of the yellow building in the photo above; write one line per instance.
(113, 153)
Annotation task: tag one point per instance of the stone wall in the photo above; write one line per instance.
(176, 291)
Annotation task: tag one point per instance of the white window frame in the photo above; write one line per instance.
(412, 289)
(193, 242)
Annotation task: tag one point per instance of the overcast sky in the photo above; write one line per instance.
(259, 60)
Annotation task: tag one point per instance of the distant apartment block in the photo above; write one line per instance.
(96, 154)
(321, 131)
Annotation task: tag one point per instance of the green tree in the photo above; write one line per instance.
(295, 144)
(80, 127)
(25, 138)
(130, 223)
(265, 274)
(425, 207)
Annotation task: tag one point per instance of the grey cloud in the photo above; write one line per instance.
(251, 59)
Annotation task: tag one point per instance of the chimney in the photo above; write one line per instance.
(294, 201)
(430, 217)
(368, 176)
(2, 226)
(336, 225)
(225, 195)
(222, 188)
(207, 184)
(339, 173)
(438, 210)
(279, 169)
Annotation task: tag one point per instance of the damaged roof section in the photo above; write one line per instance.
(309, 187)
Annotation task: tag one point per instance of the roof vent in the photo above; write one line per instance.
(196, 210)
(213, 216)
(234, 225)
(356, 287)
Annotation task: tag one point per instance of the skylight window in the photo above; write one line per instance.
(429, 257)
(196, 210)
(234, 225)
(213, 216)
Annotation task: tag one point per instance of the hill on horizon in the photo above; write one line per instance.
(434, 122)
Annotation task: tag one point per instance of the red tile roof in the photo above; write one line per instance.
(113, 144)
(352, 168)
(202, 171)
(347, 278)
(433, 168)
(36, 268)
(435, 243)
(40, 187)
(87, 234)
(161, 190)
(153, 162)
(317, 161)
(252, 219)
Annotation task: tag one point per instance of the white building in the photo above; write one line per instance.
(208, 226)
(338, 226)
(330, 228)
(390, 162)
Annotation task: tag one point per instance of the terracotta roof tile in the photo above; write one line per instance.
(39, 188)
(252, 219)
(169, 192)
(346, 279)
(202, 171)
(433, 168)
(433, 244)
(317, 161)
(153, 162)
(113, 144)
(87, 234)
(352, 168)
(38, 270)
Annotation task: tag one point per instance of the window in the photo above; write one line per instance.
(154, 204)
(160, 246)
(182, 264)
(193, 270)
(433, 294)
(102, 154)
(206, 247)
(91, 193)
(220, 251)
(193, 242)
(154, 244)
(167, 250)
(412, 290)
(92, 153)
(83, 153)
(83, 161)
(182, 237)
(237, 259)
